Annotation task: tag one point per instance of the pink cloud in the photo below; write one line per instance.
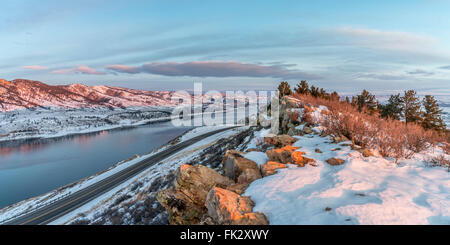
(213, 69)
(35, 67)
(79, 69)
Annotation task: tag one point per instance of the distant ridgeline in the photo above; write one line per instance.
(21, 94)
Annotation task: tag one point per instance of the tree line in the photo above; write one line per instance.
(406, 107)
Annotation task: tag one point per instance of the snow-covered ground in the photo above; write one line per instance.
(157, 170)
(94, 208)
(56, 122)
(372, 190)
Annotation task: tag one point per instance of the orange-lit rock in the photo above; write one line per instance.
(299, 159)
(282, 155)
(270, 168)
(228, 208)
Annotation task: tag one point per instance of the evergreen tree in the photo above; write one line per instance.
(432, 116)
(302, 88)
(393, 107)
(334, 96)
(322, 93)
(411, 107)
(284, 88)
(314, 91)
(366, 100)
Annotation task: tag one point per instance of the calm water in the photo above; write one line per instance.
(36, 167)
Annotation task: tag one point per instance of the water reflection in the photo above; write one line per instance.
(33, 167)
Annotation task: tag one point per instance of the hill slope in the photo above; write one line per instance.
(21, 94)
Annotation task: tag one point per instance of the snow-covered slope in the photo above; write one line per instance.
(371, 190)
(20, 94)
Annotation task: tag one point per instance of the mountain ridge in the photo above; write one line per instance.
(23, 94)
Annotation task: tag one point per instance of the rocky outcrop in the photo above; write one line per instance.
(196, 181)
(228, 208)
(288, 155)
(270, 168)
(279, 140)
(239, 168)
(201, 195)
(185, 201)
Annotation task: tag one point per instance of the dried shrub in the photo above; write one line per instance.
(392, 138)
(440, 161)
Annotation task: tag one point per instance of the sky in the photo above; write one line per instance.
(346, 45)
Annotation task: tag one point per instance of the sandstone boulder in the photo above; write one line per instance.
(235, 165)
(287, 155)
(339, 139)
(238, 188)
(196, 181)
(335, 161)
(228, 208)
(279, 140)
(307, 130)
(299, 159)
(181, 209)
(270, 168)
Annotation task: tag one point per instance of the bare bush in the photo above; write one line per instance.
(441, 161)
(392, 138)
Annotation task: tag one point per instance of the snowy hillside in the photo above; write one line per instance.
(21, 94)
(362, 187)
(55, 122)
(371, 190)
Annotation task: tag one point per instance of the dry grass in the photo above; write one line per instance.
(392, 138)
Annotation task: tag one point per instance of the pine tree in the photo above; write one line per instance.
(432, 116)
(411, 107)
(393, 107)
(322, 93)
(284, 88)
(302, 88)
(314, 91)
(366, 100)
(334, 96)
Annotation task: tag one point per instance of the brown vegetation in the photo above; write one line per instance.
(392, 138)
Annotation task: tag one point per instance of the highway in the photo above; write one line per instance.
(69, 203)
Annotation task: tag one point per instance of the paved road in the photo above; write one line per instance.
(69, 203)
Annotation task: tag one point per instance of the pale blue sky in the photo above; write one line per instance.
(340, 45)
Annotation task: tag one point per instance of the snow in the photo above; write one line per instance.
(259, 157)
(96, 206)
(57, 122)
(43, 200)
(371, 190)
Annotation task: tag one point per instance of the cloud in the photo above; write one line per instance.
(34, 67)
(381, 76)
(81, 69)
(214, 69)
(388, 40)
(420, 72)
(445, 67)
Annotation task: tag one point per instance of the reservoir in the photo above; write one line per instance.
(34, 167)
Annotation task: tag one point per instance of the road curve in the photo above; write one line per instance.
(69, 203)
